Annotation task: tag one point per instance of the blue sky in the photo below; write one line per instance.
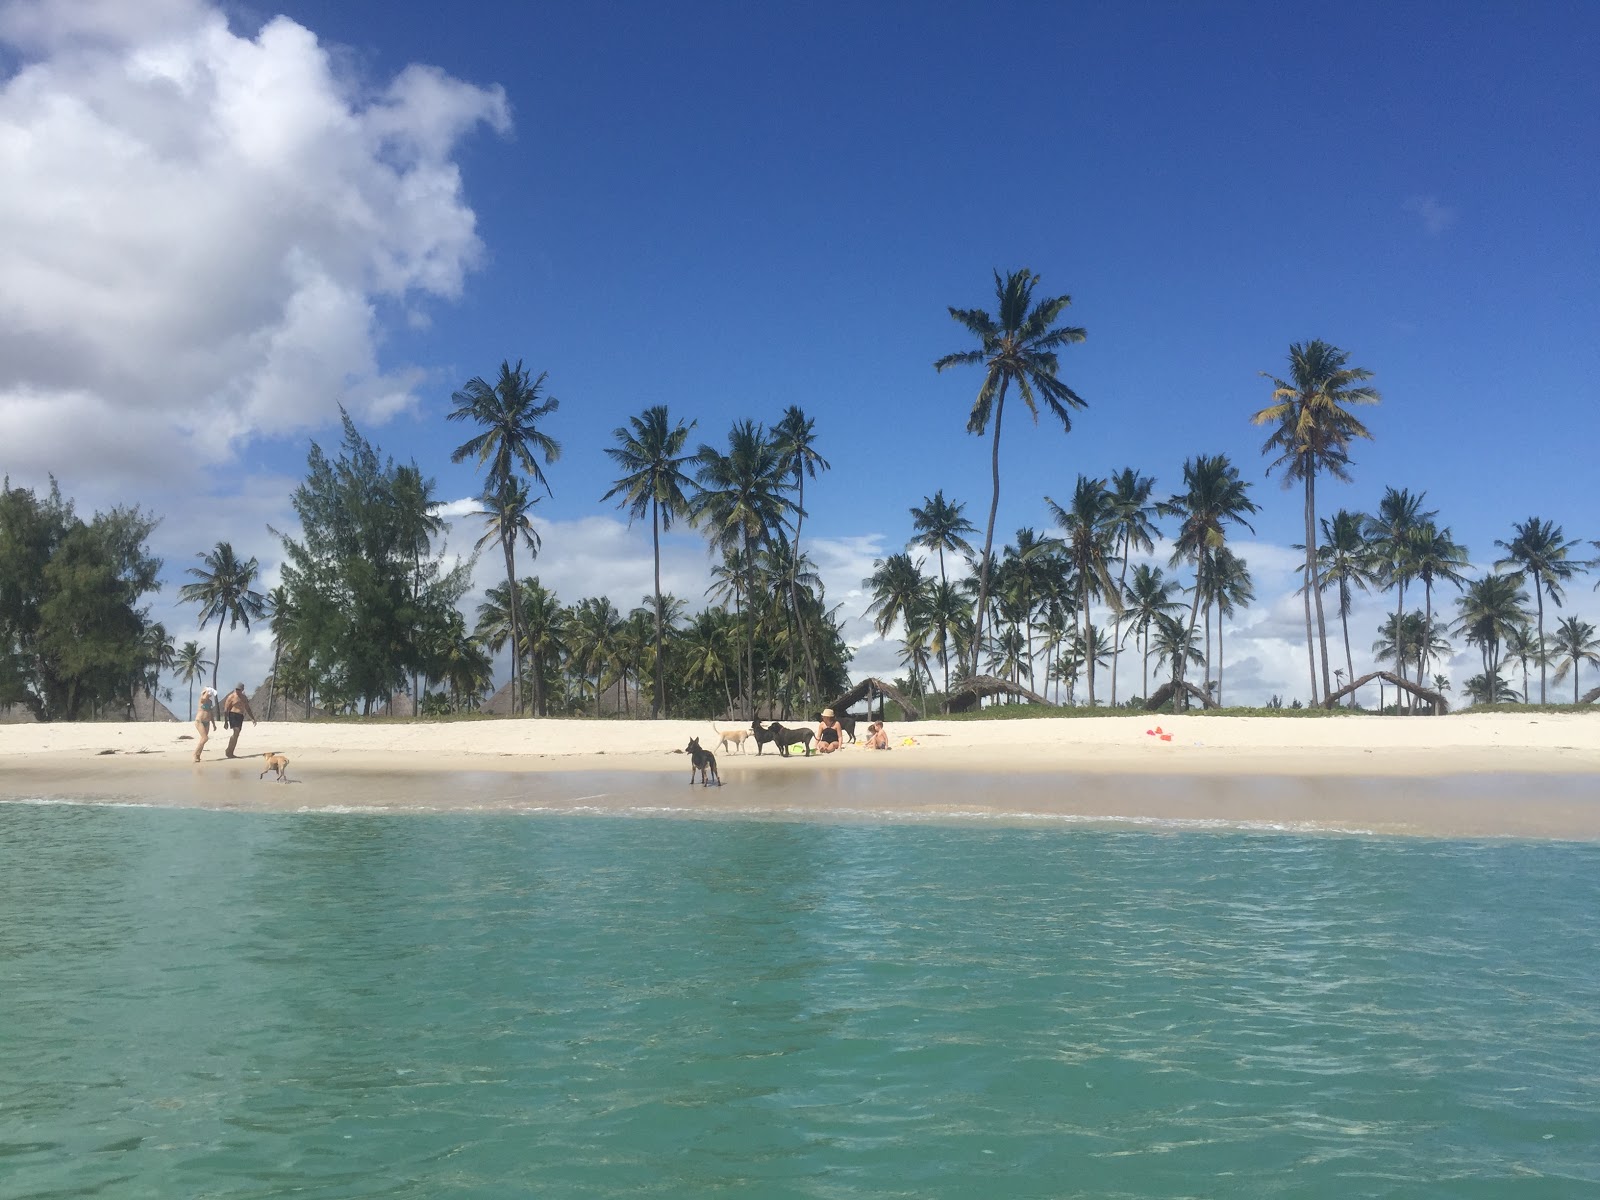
(733, 208)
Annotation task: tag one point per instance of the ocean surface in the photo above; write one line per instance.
(222, 1004)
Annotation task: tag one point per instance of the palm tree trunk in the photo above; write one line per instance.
(658, 701)
(1219, 656)
(1116, 631)
(514, 600)
(988, 535)
(1088, 650)
(1350, 664)
(1538, 596)
(1316, 583)
(216, 664)
(794, 587)
(1311, 644)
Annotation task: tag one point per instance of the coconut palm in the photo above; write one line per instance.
(417, 523)
(1017, 347)
(1522, 647)
(1089, 524)
(594, 638)
(1132, 528)
(1540, 552)
(1434, 555)
(1573, 644)
(1490, 689)
(1148, 598)
(509, 413)
(1346, 562)
(796, 436)
(225, 591)
(940, 526)
(741, 502)
(1314, 430)
(1230, 587)
(1214, 497)
(508, 519)
(190, 665)
(1389, 534)
(651, 455)
(1490, 610)
(1172, 640)
(898, 586)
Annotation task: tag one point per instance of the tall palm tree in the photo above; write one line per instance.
(191, 664)
(1173, 643)
(1314, 430)
(1346, 563)
(417, 523)
(509, 412)
(651, 455)
(1214, 497)
(1573, 644)
(1389, 534)
(544, 633)
(1435, 555)
(1539, 551)
(1090, 527)
(508, 519)
(1522, 648)
(898, 587)
(156, 653)
(742, 500)
(1230, 587)
(939, 526)
(1017, 347)
(796, 435)
(1133, 528)
(595, 636)
(1149, 599)
(225, 591)
(1490, 610)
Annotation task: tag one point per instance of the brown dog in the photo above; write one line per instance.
(734, 737)
(276, 762)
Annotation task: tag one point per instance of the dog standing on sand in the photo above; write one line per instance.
(732, 736)
(278, 763)
(702, 763)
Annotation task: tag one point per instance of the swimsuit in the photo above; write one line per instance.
(830, 735)
(233, 720)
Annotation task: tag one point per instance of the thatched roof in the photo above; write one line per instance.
(1592, 696)
(872, 685)
(1440, 707)
(281, 707)
(965, 694)
(1163, 696)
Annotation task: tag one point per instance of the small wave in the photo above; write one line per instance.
(80, 802)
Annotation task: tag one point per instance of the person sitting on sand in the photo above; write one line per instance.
(235, 708)
(204, 718)
(877, 739)
(828, 732)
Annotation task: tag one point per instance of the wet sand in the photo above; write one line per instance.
(1460, 776)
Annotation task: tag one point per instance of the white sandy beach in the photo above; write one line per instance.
(1488, 774)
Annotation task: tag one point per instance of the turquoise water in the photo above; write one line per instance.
(209, 1004)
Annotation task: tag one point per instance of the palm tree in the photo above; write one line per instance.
(225, 591)
(595, 634)
(1573, 644)
(1133, 527)
(190, 665)
(796, 437)
(508, 518)
(940, 526)
(651, 455)
(1346, 563)
(740, 503)
(1389, 533)
(1522, 647)
(1490, 689)
(417, 523)
(156, 653)
(544, 634)
(1434, 554)
(1016, 347)
(1314, 431)
(1089, 524)
(898, 586)
(509, 413)
(1149, 599)
(1490, 610)
(1213, 498)
(1538, 550)
(1230, 587)
(1173, 642)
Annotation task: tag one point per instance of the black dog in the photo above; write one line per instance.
(702, 763)
(783, 737)
(847, 722)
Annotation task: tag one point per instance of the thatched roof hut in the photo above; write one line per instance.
(1591, 697)
(966, 694)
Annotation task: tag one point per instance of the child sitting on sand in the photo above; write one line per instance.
(877, 739)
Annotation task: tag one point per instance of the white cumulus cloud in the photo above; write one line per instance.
(204, 234)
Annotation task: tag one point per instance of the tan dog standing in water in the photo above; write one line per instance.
(275, 762)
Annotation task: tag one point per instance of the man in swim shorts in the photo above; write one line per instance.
(234, 710)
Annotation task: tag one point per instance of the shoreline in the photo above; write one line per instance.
(1496, 775)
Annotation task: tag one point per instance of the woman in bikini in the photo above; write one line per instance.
(204, 719)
